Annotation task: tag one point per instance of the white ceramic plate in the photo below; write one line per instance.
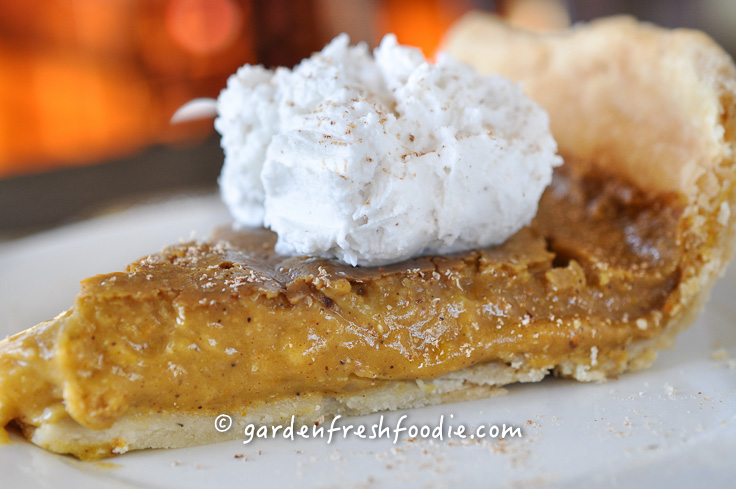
(673, 425)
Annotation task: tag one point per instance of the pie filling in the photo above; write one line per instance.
(214, 327)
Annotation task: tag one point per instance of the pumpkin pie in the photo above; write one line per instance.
(629, 238)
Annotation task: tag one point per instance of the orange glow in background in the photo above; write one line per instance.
(203, 27)
(82, 81)
(421, 23)
(86, 80)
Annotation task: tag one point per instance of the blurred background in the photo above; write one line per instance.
(87, 87)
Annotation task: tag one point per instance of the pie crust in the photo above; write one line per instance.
(627, 244)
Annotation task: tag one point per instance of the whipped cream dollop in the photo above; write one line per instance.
(376, 159)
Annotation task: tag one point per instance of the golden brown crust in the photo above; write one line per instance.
(656, 106)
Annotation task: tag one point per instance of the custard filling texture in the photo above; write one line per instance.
(213, 327)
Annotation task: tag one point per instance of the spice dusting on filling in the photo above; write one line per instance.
(212, 327)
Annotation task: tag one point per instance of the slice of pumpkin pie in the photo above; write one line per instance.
(627, 241)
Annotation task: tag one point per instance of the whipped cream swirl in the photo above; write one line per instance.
(376, 159)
